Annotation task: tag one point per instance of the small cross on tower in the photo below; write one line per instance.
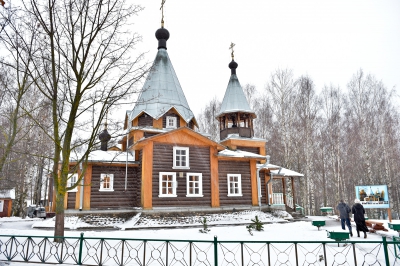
(162, 12)
(231, 47)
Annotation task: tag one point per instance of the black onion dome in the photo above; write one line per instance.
(233, 65)
(162, 35)
(104, 136)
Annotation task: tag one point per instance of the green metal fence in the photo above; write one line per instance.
(112, 251)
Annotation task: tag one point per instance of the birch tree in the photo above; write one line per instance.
(307, 105)
(281, 89)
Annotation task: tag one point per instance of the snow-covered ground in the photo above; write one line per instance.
(278, 227)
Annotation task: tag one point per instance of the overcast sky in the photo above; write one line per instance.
(327, 40)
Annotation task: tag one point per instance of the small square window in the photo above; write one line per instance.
(181, 158)
(170, 122)
(167, 184)
(194, 187)
(71, 181)
(234, 185)
(106, 182)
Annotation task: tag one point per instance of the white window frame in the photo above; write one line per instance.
(186, 149)
(71, 181)
(171, 122)
(111, 188)
(238, 183)
(190, 182)
(173, 186)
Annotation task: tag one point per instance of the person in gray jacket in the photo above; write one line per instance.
(344, 214)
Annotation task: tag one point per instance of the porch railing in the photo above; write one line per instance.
(277, 199)
(124, 252)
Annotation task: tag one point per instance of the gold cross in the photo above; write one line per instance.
(162, 12)
(231, 47)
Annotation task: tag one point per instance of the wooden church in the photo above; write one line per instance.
(166, 164)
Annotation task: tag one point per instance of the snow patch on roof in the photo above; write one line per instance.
(236, 136)
(7, 193)
(108, 156)
(240, 154)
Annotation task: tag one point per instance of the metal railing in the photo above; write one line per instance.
(113, 251)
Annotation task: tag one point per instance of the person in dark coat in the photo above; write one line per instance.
(344, 213)
(359, 219)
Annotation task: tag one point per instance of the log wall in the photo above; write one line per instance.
(119, 197)
(234, 167)
(145, 121)
(255, 150)
(199, 162)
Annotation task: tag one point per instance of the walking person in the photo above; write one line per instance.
(358, 211)
(344, 213)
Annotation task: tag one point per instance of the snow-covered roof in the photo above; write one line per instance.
(283, 171)
(286, 172)
(108, 156)
(240, 154)
(162, 91)
(236, 136)
(234, 99)
(7, 193)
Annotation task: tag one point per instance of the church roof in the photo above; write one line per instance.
(234, 99)
(162, 91)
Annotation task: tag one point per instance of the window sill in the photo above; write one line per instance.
(106, 190)
(194, 196)
(180, 168)
(235, 195)
(167, 196)
(74, 190)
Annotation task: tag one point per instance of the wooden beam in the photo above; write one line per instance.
(254, 187)
(214, 177)
(147, 176)
(87, 187)
(158, 123)
(284, 190)
(267, 189)
(9, 207)
(293, 192)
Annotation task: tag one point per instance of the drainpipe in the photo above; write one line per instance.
(259, 181)
(271, 177)
(81, 192)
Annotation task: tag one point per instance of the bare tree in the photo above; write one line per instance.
(308, 107)
(207, 119)
(332, 136)
(84, 57)
(281, 89)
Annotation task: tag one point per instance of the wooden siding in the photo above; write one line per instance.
(145, 121)
(7, 203)
(199, 162)
(71, 200)
(149, 134)
(164, 123)
(249, 149)
(119, 198)
(234, 167)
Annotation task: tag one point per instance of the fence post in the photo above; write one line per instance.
(385, 249)
(80, 249)
(215, 251)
